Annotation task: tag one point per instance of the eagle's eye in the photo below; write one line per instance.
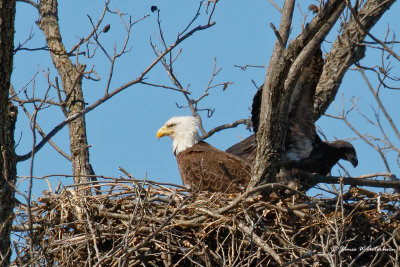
(171, 125)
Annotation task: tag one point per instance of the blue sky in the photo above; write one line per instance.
(122, 131)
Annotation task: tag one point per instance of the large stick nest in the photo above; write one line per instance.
(137, 223)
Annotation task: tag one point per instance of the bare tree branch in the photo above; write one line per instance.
(223, 127)
(106, 97)
(381, 106)
(32, 3)
(345, 52)
(95, 29)
(38, 128)
(275, 5)
(317, 178)
(366, 31)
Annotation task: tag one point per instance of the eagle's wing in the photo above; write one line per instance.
(204, 167)
(302, 136)
(256, 109)
(304, 148)
(245, 149)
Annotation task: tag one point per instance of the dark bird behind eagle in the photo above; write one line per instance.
(304, 148)
(201, 165)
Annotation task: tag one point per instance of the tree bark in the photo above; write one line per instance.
(345, 52)
(282, 75)
(8, 116)
(71, 79)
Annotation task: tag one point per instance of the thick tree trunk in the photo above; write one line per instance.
(8, 115)
(285, 69)
(282, 75)
(71, 78)
(268, 148)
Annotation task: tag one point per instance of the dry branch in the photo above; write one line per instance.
(283, 72)
(353, 181)
(106, 97)
(346, 50)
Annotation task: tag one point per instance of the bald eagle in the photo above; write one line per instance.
(322, 157)
(304, 148)
(201, 165)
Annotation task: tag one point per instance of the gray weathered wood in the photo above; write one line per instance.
(71, 79)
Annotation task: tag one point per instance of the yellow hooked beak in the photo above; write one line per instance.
(163, 131)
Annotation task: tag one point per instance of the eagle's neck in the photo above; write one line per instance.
(185, 140)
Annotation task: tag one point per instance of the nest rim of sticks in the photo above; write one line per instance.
(141, 223)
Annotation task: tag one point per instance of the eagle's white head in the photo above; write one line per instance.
(182, 130)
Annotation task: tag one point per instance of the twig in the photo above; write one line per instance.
(317, 178)
(249, 66)
(30, 2)
(166, 87)
(160, 228)
(356, 18)
(275, 5)
(261, 243)
(139, 79)
(381, 106)
(95, 28)
(16, 98)
(278, 36)
(223, 127)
